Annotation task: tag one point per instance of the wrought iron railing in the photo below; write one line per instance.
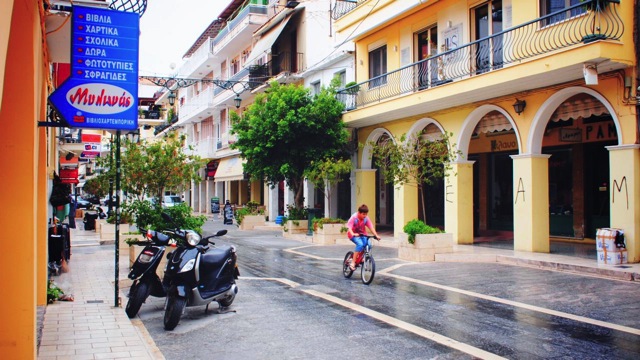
(596, 20)
(285, 62)
(343, 7)
(234, 78)
(231, 24)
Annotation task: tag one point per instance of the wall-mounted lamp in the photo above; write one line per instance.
(172, 98)
(519, 106)
(590, 72)
(237, 101)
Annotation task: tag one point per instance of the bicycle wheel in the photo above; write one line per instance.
(346, 271)
(368, 269)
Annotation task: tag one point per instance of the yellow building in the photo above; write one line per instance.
(540, 98)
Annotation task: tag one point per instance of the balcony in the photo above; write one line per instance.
(280, 65)
(516, 59)
(197, 107)
(343, 7)
(238, 31)
(204, 148)
(199, 62)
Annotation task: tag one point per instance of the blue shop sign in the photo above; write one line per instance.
(102, 91)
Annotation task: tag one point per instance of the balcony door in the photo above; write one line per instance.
(487, 19)
(426, 47)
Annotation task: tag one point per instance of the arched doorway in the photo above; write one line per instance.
(490, 139)
(384, 192)
(576, 136)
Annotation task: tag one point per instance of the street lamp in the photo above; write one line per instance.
(172, 98)
(237, 101)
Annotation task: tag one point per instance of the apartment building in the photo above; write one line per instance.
(539, 96)
(250, 44)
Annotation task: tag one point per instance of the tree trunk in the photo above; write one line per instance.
(424, 209)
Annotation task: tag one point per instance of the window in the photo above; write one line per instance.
(315, 87)
(342, 75)
(548, 7)
(378, 66)
(487, 22)
(426, 43)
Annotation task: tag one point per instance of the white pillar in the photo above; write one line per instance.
(309, 194)
(289, 196)
(192, 200)
(273, 203)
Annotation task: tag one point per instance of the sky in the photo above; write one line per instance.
(168, 28)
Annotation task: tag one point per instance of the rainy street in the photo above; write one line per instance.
(294, 303)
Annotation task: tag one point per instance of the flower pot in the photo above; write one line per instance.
(328, 234)
(249, 222)
(295, 227)
(425, 247)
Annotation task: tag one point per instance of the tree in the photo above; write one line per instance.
(326, 173)
(150, 168)
(285, 129)
(414, 160)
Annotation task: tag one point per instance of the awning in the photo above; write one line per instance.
(584, 106)
(230, 169)
(492, 122)
(267, 40)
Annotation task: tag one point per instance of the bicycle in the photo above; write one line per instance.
(368, 269)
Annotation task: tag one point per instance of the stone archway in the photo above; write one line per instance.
(366, 161)
(472, 120)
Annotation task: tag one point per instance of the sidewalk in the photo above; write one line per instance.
(91, 327)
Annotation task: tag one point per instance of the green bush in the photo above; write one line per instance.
(295, 213)
(250, 208)
(416, 226)
(149, 216)
(319, 222)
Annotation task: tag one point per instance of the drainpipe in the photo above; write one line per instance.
(636, 36)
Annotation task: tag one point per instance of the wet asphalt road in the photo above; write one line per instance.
(294, 303)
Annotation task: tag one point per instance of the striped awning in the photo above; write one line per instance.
(492, 122)
(579, 106)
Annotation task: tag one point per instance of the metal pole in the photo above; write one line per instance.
(117, 242)
(110, 204)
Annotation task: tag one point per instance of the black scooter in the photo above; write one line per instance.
(198, 274)
(143, 272)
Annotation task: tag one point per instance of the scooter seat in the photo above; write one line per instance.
(216, 255)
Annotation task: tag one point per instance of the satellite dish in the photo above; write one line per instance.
(172, 65)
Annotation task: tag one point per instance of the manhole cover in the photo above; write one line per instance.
(95, 301)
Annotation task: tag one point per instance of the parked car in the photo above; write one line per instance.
(83, 204)
(171, 200)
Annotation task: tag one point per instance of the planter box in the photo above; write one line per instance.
(108, 231)
(425, 247)
(293, 229)
(328, 234)
(249, 222)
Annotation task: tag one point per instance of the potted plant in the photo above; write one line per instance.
(327, 230)
(295, 222)
(420, 242)
(250, 216)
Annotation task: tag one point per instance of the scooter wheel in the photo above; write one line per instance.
(137, 295)
(227, 301)
(173, 312)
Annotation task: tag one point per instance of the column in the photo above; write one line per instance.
(272, 207)
(289, 196)
(405, 206)
(624, 168)
(192, 198)
(458, 202)
(256, 191)
(309, 194)
(531, 203)
(366, 190)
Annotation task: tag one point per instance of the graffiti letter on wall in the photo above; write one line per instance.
(619, 189)
(520, 190)
(446, 194)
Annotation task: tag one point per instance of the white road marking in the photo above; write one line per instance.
(435, 337)
(579, 318)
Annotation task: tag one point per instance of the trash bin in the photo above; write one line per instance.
(90, 220)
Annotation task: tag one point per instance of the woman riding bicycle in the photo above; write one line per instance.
(356, 226)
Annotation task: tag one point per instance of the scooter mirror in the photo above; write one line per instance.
(221, 232)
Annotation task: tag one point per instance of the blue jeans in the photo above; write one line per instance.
(360, 242)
